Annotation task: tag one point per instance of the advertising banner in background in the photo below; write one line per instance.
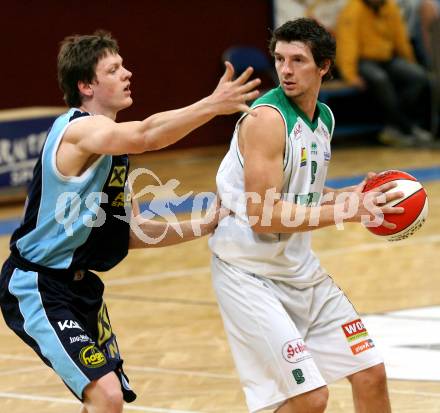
(22, 135)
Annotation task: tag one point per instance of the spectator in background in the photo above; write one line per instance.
(419, 16)
(324, 11)
(374, 52)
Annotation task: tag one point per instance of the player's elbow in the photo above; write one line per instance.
(150, 142)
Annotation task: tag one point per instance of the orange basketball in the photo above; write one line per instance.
(415, 202)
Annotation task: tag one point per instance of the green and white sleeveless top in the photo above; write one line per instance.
(286, 257)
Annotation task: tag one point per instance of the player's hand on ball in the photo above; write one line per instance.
(403, 202)
(379, 198)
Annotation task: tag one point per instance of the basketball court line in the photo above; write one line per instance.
(179, 372)
(5, 356)
(364, 247)
(61, 400)
(159, 276)
(22, 370)
(175, 372)
(391, 391)
(162, 300)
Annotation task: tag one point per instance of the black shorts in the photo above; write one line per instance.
(65, 321)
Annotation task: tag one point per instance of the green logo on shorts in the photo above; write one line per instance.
(298, 376)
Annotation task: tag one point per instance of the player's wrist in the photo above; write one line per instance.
(209, 106)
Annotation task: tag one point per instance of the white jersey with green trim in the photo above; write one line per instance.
(281, 256)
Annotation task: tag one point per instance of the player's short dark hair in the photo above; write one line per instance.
(77, 60)
(321, 42)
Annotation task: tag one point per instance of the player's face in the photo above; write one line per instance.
(111, 88)
(297, 71)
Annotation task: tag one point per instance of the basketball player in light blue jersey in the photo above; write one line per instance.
(291, 329)
(73, 219)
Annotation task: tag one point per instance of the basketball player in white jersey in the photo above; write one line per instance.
(290, 328)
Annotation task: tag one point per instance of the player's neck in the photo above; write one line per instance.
(96, 109)
(307, 105)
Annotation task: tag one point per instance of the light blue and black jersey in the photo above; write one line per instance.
(72, 222)
(48, 295)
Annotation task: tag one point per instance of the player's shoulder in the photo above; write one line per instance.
(265, 131)
(83, 125)
(324, 110)
(276, 105)
(266, 116)
(326, 115)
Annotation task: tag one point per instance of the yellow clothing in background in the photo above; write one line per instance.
(363, 34)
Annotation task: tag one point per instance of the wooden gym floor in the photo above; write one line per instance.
(163, 309)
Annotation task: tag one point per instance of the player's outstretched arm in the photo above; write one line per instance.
(101, 135)
(146, 233)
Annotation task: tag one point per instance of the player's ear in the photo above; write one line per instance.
(85, 89)
(324, 68)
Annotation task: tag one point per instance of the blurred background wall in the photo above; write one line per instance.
(173, 48)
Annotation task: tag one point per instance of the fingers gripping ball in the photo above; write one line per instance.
(414, 201)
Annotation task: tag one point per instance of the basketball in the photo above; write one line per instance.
(415, 202)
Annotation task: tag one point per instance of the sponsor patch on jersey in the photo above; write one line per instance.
(297, 131)
(324, 131)
(118, 176)
(314, 148)
(327, 156)
(121, 200)
(354, 330)
(295, 351)
(303, 157)
(90, 356)
(362, 346)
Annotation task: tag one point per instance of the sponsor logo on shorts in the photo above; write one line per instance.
(90, 356)
(295, 351)
(82, 338)
(298, 375)
(354, 330)
(112, 349)
(104, 327)
(362, 346)
(68, 324)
